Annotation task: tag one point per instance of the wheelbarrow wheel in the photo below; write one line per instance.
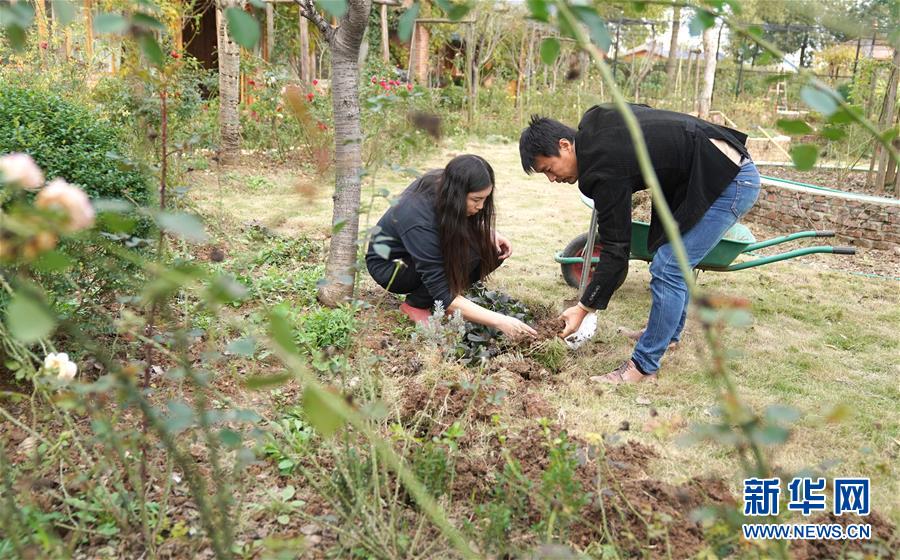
(572, 272)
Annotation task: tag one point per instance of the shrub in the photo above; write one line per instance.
(69, 141)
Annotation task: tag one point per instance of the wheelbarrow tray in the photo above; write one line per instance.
(735, 242)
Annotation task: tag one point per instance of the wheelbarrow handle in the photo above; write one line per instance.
(843, 250)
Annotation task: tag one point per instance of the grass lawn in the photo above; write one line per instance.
(823, 341)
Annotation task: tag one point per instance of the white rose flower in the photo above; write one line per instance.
(69, 198)
(21, 170)
(60, 365)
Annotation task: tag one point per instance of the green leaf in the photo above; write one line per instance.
(325, 419)
(242, 27)
(110, 23)
(242, 347)
(455, 10)
(771, 435)
(382, 250)
(16, 35)
(147, 22)
(823, 101)
(833, 133)
(702, 21)
(336, 8)
(889, 134)
(230, 438)
(539, 9)
(804, 156)
(186, 226)
(405, 25)
(53, 261)
(337, 227)
(549, 50)
(282, 332)
(596, 26)
(782, 413)
(764, 59)
(794, 126)
(151, 49)
(260, 382)
(64, 10)
(28, 318)
(116, 205)
(180, 417)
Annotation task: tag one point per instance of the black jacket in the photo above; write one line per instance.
(410, 231)
(692, 172)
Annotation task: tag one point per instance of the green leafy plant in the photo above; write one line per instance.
(70, 141)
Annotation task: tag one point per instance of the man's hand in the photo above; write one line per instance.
(573, 317)
(504, 249)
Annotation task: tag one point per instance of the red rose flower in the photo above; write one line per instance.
(175, 54)
(43, 45)
(315, 82)
(309, 96)
(383, 84)
(373, 79)
(409, 87)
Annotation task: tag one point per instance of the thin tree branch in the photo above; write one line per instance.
(308, 10)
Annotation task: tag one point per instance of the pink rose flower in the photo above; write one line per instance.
(20, 169)
(60, 195)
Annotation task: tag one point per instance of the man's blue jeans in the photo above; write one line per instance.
(667, 287)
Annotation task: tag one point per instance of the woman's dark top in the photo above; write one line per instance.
(692, 172)
(409, 229)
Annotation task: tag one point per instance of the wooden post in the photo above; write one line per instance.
(304, 50)
(40, 15)
(88, 32)
(470, 73)
(385, 51)
(270, 32)
(412, 53)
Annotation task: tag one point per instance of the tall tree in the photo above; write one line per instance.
(885, 162)
(709, 71)
(344, 41)
(672, 61)
(229, 55)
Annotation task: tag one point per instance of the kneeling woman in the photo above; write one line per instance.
(442, 229)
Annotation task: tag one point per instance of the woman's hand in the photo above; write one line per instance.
(514, 328)
(573, 317)
(504, 249)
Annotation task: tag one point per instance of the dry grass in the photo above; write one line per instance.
(822, 340)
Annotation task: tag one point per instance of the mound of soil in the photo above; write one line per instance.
(548, 328)
(527, 369)
(435, 412)
(641, 513)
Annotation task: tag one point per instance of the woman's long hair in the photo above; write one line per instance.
(463, 237)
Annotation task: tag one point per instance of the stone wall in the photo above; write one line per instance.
(858, 220)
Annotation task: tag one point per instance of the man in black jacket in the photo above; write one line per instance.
(708, 180)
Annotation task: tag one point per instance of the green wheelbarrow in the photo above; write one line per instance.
(737, 241)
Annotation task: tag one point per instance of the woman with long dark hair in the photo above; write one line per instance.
(439, 239)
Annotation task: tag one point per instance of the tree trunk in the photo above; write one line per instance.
(229, 88)
(340, 268)
(673, 47)
(305, 74)
(709, 71)
(385, 50)
(887, 118)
